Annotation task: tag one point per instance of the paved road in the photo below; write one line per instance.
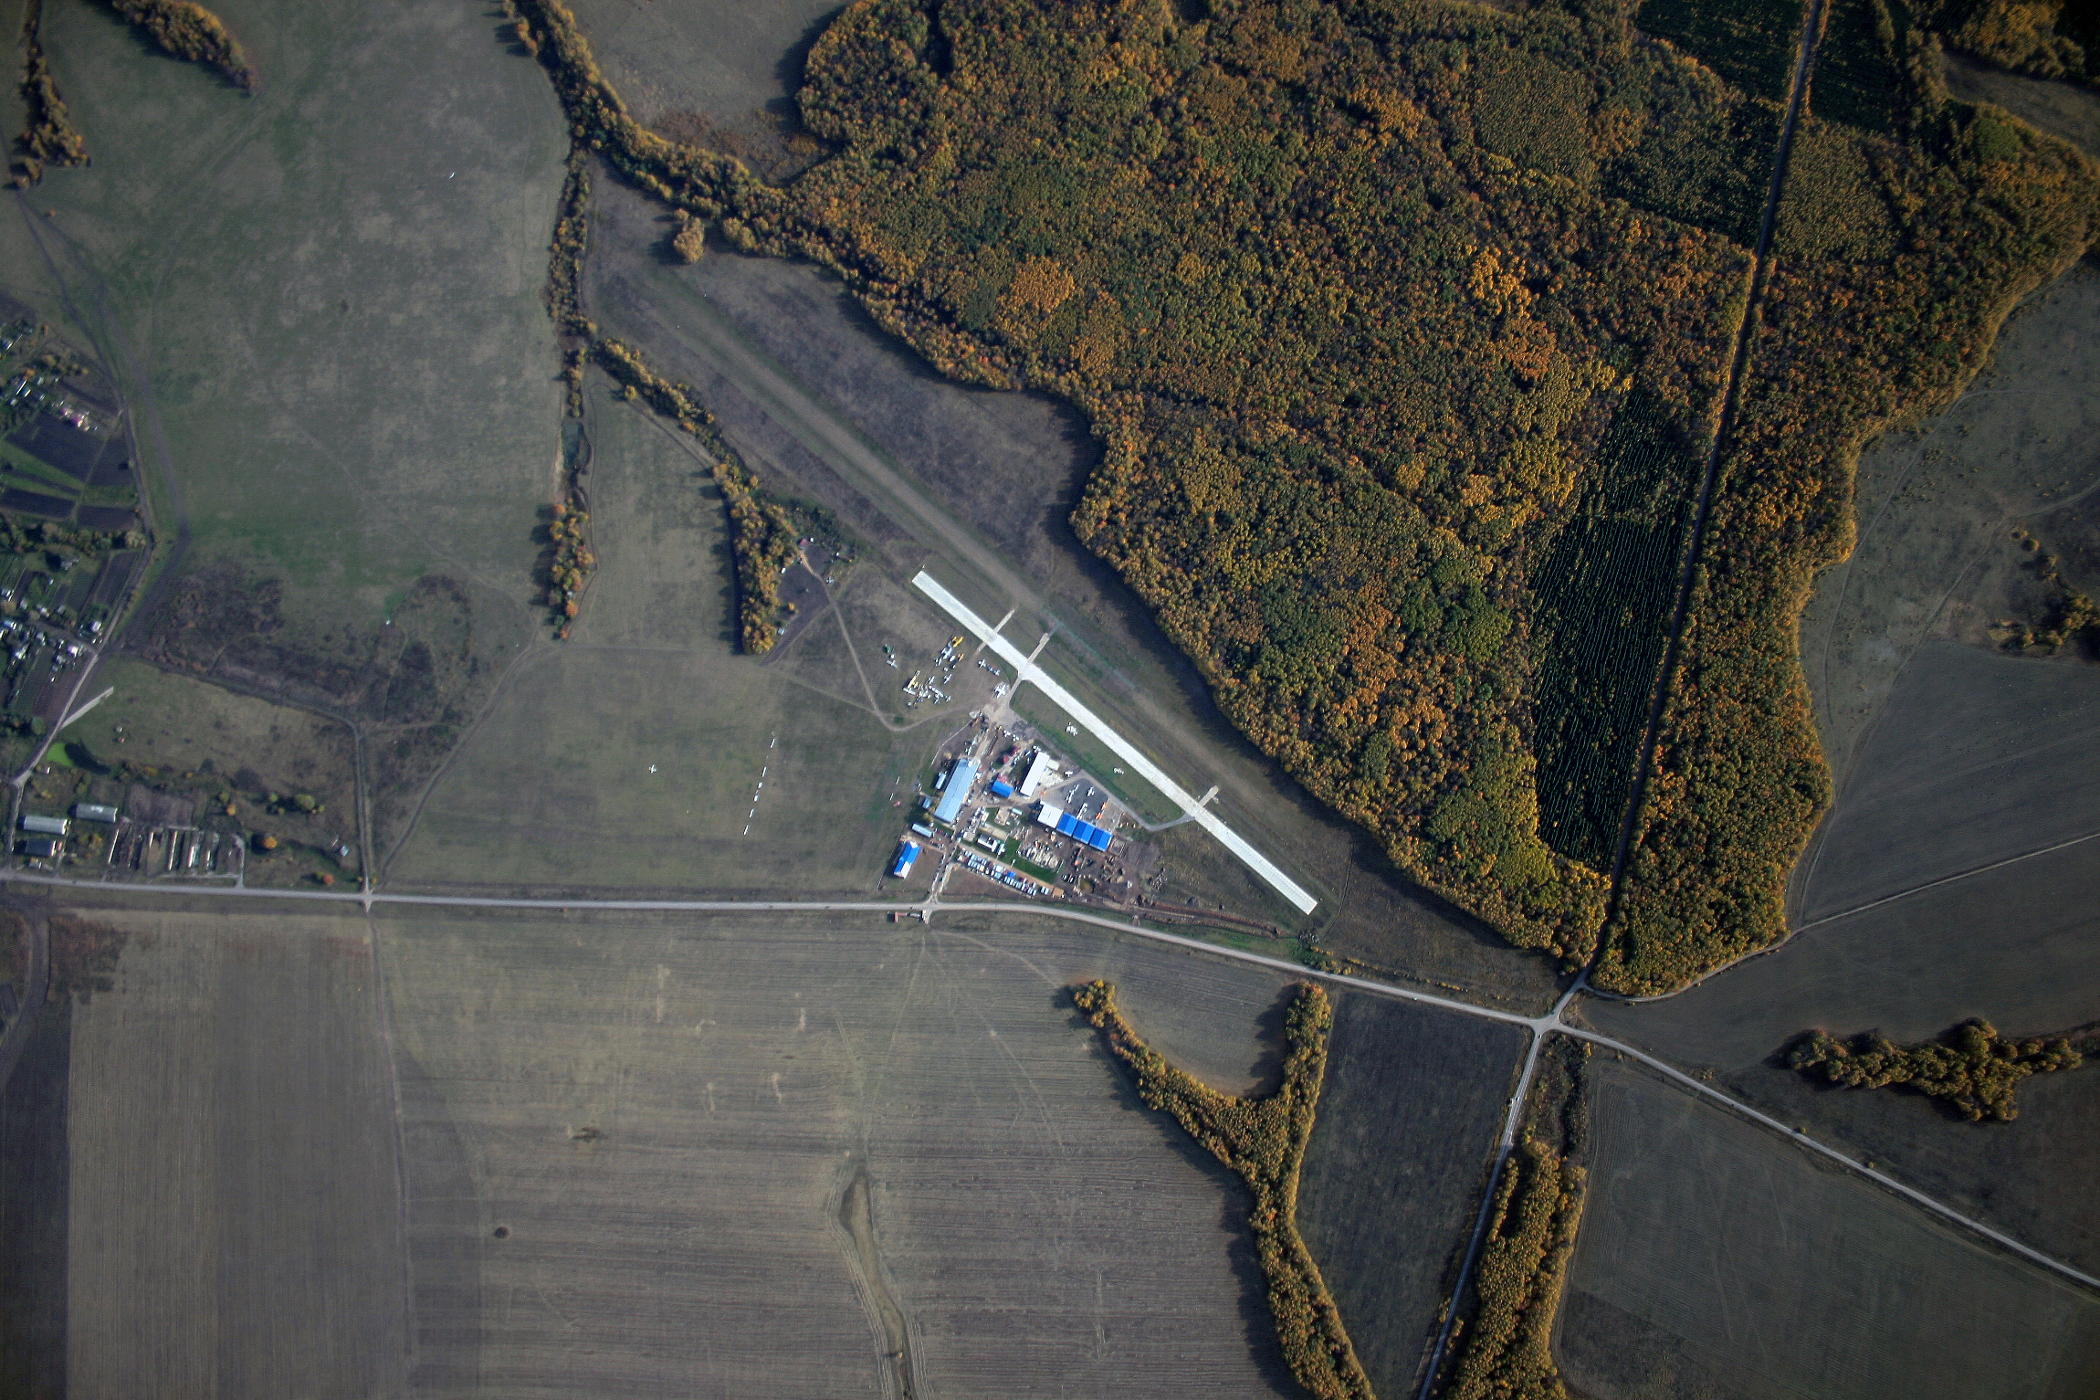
(1551, 1022)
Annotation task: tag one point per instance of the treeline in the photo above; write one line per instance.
(1264, 1141)
(1896, 262)
(1503, 1347)
(48, 135)
(569, 570)
(1974, 1070)
(763, 535)
(189, 31)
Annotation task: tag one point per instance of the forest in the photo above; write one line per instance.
(1264, 1141)
(1405, 331)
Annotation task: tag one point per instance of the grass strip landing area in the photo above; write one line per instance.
(1264, 1141)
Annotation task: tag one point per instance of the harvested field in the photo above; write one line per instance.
(233, 1216)
(1715, 1259)
(34, 1176)
(1392, 1179)
(759, 1149)
(1976, 758)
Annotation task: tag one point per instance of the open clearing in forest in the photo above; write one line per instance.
(1716, 1260)
(1408, 1122)
(232, 1214)
(322, 300)
(1000, 470)
(630, 1144)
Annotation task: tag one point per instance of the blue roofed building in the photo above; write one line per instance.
(907, 852)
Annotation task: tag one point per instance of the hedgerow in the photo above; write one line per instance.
(763, 536)
(1264, 1141)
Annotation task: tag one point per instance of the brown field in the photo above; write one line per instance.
(1910, 970)
(234, 1223)
(1393, 1175)
(749, 1151)
(619, 1155)
(1717, 1260)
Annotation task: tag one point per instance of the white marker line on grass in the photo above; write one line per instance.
(1025, 670)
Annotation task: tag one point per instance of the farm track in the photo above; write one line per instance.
(1551, 1022)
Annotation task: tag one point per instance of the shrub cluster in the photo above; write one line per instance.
(1264, 1141)
(570, 570)
(1975, 1070)
(48, 135)
(766, 543)
(2069, 617)
(189, 31)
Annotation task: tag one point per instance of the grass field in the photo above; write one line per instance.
(1714, 1259)
(233, 1214)
(555, 787)
(664, 575)
(1392, 1178)
(1036, 1231)
(321, 301)
(179, 725)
